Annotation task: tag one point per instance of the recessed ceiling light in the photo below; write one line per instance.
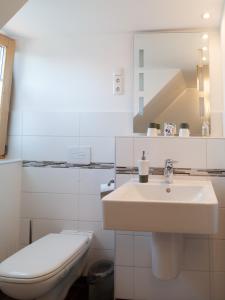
(205, 36)
(204, 58)
(205, 48)
(206, 16)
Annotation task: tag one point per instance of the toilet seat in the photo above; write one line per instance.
(33, 263)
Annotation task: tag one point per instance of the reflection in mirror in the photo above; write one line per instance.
(7, 48)
(171, 80)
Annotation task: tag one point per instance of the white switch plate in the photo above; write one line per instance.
(80, 155)
(118, 82)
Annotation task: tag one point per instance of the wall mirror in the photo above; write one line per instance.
(171, 80)
(7, 48)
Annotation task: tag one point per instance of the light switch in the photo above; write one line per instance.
(80, 155)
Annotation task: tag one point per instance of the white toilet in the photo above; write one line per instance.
(46, 269)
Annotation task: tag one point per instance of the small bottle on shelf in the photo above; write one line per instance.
(184, 130)
(205, 128)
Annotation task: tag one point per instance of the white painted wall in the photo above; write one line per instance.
(56, 82)
(72, 74)
(222, 44)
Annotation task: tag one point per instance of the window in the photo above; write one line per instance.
(2, 61)
(2, 65)
(7, 49)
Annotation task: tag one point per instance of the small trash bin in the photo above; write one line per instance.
(101, 280)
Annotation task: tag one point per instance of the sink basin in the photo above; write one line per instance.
(185, 206)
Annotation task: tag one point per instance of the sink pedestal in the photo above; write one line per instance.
(167, 250)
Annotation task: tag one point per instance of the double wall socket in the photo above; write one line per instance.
(118, 82)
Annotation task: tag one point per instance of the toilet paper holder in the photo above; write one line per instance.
(106, 188)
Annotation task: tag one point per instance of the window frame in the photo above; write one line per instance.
(9, 44)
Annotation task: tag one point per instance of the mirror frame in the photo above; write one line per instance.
(174, 31)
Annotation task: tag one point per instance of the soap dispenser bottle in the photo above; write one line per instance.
(143, 168)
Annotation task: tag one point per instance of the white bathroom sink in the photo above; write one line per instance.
(185, 206)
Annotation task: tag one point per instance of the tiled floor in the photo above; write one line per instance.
(78, 291)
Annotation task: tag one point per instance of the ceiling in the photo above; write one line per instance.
(8, 8)
(40, 18)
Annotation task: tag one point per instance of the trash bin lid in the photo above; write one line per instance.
(99, 270)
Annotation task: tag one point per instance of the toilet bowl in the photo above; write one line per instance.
(46, 269)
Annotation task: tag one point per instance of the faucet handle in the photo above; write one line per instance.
(170, 162)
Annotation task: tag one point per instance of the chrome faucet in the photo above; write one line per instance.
(168, 170)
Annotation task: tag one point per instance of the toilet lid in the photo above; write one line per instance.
(44, 256)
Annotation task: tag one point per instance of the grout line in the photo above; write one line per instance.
(150, 268)
(54, 193)
(65, 136)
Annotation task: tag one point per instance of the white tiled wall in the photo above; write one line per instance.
(215, 153)
(187, 152)
(47, 135)
(58, 198)
(55, 198)
(203, 267)
(10, 187)
(189, 285)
